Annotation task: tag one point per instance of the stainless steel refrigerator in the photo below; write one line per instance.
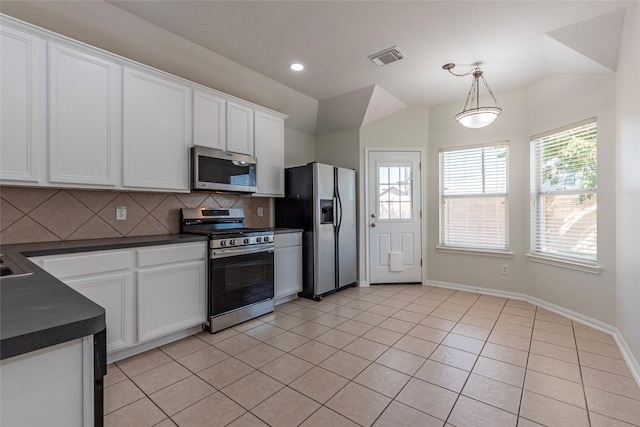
(321, 200)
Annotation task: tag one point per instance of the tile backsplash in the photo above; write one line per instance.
(47, 214)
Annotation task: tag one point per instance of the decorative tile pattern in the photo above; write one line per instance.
(43, 215)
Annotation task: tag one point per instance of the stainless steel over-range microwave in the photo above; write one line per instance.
(217, 170)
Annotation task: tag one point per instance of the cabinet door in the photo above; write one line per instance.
(20, 80)
(209, 120)
(156, 132)
(84, 117)
(288, 262)
(114, 293)
(170, 299)
(239, 129)
(269, 146)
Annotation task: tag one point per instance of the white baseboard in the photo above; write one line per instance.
(363, 283)
(629, 358)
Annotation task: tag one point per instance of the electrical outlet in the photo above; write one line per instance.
(504, 269)
(260, 211)
(121, 213)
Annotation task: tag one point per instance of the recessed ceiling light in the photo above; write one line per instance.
(296, 66)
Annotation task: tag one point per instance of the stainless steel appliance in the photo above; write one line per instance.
(241, 274)
(216, 170)
(321, 200)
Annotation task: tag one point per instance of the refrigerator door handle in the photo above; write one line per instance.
(339, 213)
(335, 211)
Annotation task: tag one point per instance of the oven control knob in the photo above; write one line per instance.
(232, 242)
(258, 239)
(223, 243)
(266, 238)
(246, 241)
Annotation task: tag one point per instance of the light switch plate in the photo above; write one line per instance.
(121, 213)
(260, 211)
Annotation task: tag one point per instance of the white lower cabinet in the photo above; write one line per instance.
(288, 264)
(148, 293)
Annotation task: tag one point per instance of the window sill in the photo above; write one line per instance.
(586, 267)
(480, 252)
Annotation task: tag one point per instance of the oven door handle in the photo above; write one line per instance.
(222, 253)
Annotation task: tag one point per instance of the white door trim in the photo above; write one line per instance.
(367, 213)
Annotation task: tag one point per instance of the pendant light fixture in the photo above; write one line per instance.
(473, 115)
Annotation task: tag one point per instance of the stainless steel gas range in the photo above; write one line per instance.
(241, 271)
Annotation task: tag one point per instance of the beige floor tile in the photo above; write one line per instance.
(437, 323)
(554, 338)
(310, 329)
(336, 338)
(183, 347)
(307, 313)
(141, 413)
(325, 417)
(383, 310)
(598, 420)
(259, 355)
(397, 325)
(461, 342)
(248, 325)
(471, 331)
(591, 334)
(553, 327)
(347, 312)
(383, 336)
(405, 297)
(494, 393)
(479, 322)
(612, 383)
(286, 368)
(121, 394)
(319, 384)
(366, 349)
(252, 389)
(416, 346)
(237, 344)
(114, 375)
(499, 371)
(398, 414)
(160, 377)
(166, 423)
(471, 413)
(360, 305)
(505, 354)
(324, 306)
(286, 408)
(384, 380)
(520, 304)
(418, 307)
(330, 320)
(226, 372)
(287, 322)
(143, 362)
(548, 316)
(523, 422)
(557, 368)
(370, 318)
(511, 329)
(453, 357)
(599, 348)
(480, 311)
(354, 327)
(442, 375)
(551, 412)
(264, 332)
(184, 393)
(431, 399)
(402, 361)
(394, 303)
(428, 333)
(345, 364)
(287, 341)
(214, 410)
(313, 352)
(212, 339)
(507, 340)
(288, 307)
(555, 388)
(613, 405)
(454, 316)
(554, 351)
(372, 298)
(604, 363)
(202, 359)
(247, 420)
(358, 403)
(519, 311)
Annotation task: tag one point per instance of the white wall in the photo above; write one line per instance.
(628, 182)
(339, 148)
(544, 105)
(299, 148)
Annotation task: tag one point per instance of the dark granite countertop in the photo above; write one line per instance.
(37, 310)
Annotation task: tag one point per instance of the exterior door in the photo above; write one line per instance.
(393, 215)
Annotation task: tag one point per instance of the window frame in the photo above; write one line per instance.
(447, 247)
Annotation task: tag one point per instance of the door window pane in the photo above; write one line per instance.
(394, 192)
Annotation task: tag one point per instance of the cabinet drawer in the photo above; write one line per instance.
(171, 254)
(287, 239)
(86, 265)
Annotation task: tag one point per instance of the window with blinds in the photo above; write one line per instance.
(474, 199)
(564, 199)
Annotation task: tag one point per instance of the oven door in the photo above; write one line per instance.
(239, 280)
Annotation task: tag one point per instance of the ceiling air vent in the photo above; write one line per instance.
(386, 56)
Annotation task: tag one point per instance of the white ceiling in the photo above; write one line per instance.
(516, 42)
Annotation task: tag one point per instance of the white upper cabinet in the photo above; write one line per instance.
(269, 146)
(156, 131)
(84, 117)
(20, 83)
(239, 128)
(209, 120)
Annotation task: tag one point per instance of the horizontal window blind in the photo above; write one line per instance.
(474, 198)
(564, 202)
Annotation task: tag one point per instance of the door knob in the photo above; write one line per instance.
(373, 215)
(373, 224)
